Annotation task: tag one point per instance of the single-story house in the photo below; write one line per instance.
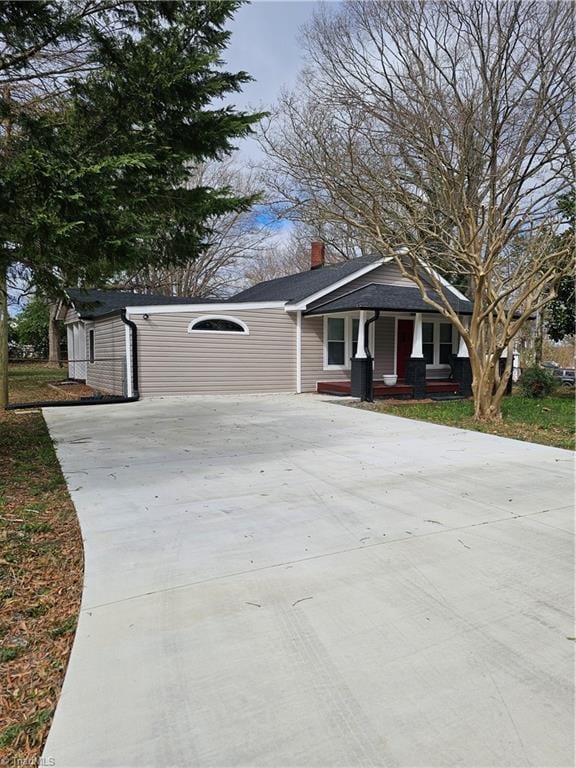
(301, 333)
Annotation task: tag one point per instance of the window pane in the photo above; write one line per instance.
(218, 324)
(336, 328)
(428, 352)
(355, 326)
(336, 352)
(445, 333)
(445, 353)
(428, 333)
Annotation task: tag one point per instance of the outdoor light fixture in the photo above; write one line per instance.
(146, 317)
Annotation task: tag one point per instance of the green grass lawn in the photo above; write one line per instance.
(549, 420)
(29, 381)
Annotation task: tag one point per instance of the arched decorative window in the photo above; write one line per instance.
(218, 324)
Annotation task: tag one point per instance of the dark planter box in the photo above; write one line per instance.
(416, 375)
(361, 377)
(462, 372)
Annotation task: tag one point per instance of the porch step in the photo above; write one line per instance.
(434, 389)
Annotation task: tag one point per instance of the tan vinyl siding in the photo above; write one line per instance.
(385, 346)
(108, 372)
(71, 315)
(313, 352)
(313, 355)
(176, 362)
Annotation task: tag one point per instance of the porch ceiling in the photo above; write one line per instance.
(394, 298)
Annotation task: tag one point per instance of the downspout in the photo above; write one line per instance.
(131, 326)
(368, 395)
(134, 354)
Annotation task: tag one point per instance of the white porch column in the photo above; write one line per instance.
(417, 337)
(462, 348)
(360, 351)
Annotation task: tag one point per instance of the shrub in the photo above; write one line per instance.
(536, 382)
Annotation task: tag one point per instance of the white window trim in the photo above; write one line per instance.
(229, 318)
(437, 321)
(348, 318)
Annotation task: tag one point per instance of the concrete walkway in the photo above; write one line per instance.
(282, 581)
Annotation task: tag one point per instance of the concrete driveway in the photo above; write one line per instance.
(282, 581)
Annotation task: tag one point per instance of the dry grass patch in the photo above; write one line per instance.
(41, 568)
(32, 382)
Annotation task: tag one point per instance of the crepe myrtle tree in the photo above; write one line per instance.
(439, 131)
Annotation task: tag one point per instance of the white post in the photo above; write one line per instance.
(298, 352)
(360, 350)
(462, 348)
(128, 350)
(417, 337)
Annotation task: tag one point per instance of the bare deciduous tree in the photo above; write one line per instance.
(290, 254)
(440, 133)
(237, 238)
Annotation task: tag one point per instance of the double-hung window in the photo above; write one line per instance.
(445, 344)
(341, 340)
(336, 341)
(437, 342)
(428, 342)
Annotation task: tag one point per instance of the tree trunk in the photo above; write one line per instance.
(4, 320)
(539, 338)
(488, 390)
(54, 335)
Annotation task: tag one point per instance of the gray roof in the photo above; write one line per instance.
(91, 303)
(299, 286)
(389, 297)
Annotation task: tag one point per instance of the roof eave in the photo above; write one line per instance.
(365, 308)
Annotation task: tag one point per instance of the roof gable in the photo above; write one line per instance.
(303, 285)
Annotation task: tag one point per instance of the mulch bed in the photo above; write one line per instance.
(41, 570)
(73, 389)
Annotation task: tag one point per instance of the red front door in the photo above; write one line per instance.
(403, 345)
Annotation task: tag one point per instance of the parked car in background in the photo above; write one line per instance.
(567, 376)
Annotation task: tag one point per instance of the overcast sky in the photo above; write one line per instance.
(265, 44)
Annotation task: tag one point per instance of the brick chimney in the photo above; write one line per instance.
(317, 255)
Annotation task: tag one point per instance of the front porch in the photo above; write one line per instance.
(379, 331)
(401, 389)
